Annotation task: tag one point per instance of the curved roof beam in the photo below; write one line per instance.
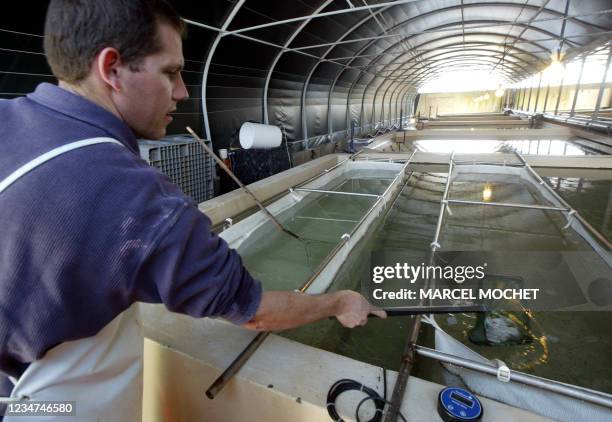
(278, 56)
(455, 47)
(440, 64)
(522, 24)
(402, 88)
(455, 35)
(389, 48)
(485, 21)
(314, 67)
(480, 59)
(209, 57)
(572, 18)
(370, 44)
(525, 68)
(422, 55)
(511, 73)
(373, 15)
(424, 76)
(467, 57)
(535, 15)
(463, 23)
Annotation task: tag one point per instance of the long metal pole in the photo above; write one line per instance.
(334, 192)
(546, 97)
(409, 354)
(508, 205)
(209, 57)
(319, 15)
(561, 38)
(530, 92)
(351, 157)
(602, 87)
(407, 33)
(489, 163)
(560, 91)
(239, 183)
(252, 347)
(591, 396)
(535, 106)
(572, 112)
(576, 214)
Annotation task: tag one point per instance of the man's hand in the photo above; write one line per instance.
(284, 310)
(353, 309)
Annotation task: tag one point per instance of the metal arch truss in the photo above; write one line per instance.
(404, 85)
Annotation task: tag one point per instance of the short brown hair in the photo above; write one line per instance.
(77, 30)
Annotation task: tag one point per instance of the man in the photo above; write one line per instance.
(88, 229)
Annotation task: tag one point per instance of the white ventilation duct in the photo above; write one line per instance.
(256, 135)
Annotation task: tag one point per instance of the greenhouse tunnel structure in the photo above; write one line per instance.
(391, 113)
(315, 68)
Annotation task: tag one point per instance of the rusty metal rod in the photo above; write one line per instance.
(247, 190)
(409, 353)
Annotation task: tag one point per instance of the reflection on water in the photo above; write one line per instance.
(592, 198)
(283, 262)
(571, 347)
(554, 147)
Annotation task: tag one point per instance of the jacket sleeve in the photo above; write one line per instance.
(193, 271)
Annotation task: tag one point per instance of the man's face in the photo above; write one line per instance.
(148, 96)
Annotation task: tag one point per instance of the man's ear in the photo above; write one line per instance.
(109, 67)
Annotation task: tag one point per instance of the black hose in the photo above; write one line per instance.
(345, 385)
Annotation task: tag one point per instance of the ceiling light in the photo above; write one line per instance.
(487, 193)
(555, 70)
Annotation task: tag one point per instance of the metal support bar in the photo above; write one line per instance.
(591, 396)
(209, 57)
(546, 97)
(602, 87)
(407, 33)
(334, 192)
(509, 205)
(319, 15)
(487, 163)
(337, 220)
(560, 90)
(577, 87)
(277, 58)
(576, 214)
(529, 100)
(409, 353)
(351, 157)
(535, 106)
(561, 38)
(443, 205)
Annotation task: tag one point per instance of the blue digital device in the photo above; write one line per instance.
(458, 405)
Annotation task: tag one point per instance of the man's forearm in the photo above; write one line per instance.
(284, 310)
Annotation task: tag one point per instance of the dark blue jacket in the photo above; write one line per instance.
(90, 232)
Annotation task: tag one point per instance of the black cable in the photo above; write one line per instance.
(345, 385)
